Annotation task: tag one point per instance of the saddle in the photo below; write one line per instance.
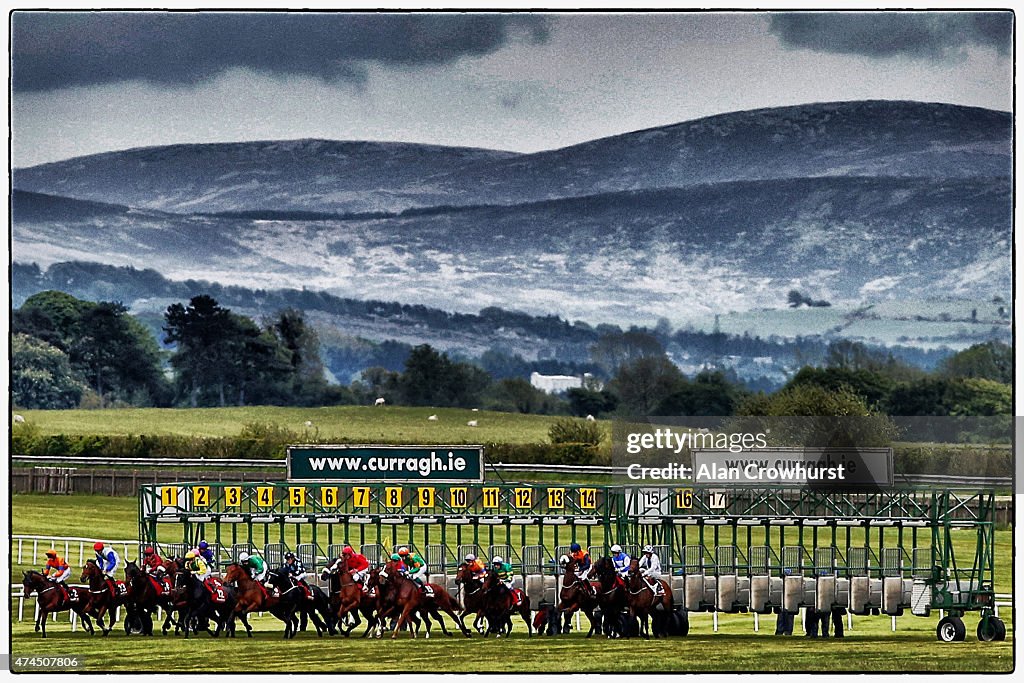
(428, 590)
(71, 594)
(517, 597)
(216, 588)
(161, 586)
(655, 586)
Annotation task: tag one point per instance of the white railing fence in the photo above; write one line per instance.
(83, 547)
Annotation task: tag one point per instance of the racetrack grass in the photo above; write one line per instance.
(341, 424)
(870, 646)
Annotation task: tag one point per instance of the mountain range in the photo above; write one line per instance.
(846, 202)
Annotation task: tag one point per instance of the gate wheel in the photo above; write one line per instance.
(951, 630)
(991, 629)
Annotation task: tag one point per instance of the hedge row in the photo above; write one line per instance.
(174, 446)
(965, 461)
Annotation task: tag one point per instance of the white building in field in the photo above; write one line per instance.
(554, 384)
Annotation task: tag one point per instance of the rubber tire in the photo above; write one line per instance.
(951, 630)
(997, 630)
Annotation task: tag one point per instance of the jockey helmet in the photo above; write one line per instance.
(289, 555)
(396, 556)
(348, 550)
(648, 549)
(575, 547)
(616, 548)
(244, 557)
(403, 550)
(190, 555)
(470, 557)
(148, 551)
(497, 559)
(51, 553)
(97, 546)
(203, 545)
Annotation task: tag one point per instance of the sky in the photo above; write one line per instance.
(88, 82)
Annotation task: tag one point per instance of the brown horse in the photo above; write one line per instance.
(500, 606)
(472, 594)
(611, 597)
(52, 597)
(576, 595)
(409, 598)
(175, 600)
(644, 602)
(347, 597)
(106, 594)
(252, 596)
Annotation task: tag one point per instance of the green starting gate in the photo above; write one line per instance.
(770, 530)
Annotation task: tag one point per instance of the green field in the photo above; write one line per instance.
(346, 424)
(869, 646)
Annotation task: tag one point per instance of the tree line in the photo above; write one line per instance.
(68, 353)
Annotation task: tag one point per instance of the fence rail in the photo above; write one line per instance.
(242, 463)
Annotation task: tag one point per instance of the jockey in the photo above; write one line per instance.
(294, 569)
(583, 564)
(415, 566)
(106, 558)
(355, 563)
(196, 565)
(151, 562)
(504, 571)
(650, 569)
(255, 564)
(56, 569)
(474, 565)
(206, 552)
(621, 560)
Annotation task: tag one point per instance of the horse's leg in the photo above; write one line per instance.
(524, 612)
(409, 608)
(41, 621)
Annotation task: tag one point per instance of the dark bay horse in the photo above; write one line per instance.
(204, 605)
(644, 603)
(316, 607)
(611, 597)
(471, 591)
(408, 599)
(499, 606)
(53, 597)
(106, 594)
(576, 595)
(147, 594)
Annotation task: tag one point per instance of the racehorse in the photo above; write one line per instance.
(252, 596)
(53, 597)
(176, 600)
(643, 602)
(408, 598)
(611, 597)
(472, 594)
(147, 593)
(499, 605)
(576, 595)
(204, 603)
(347, 597)
(106, 594)
(316, 607)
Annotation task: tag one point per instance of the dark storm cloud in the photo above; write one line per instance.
(932, 35)
(52, 50)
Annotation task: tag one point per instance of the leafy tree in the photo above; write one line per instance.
(41, 375)
(873, 386)
(991, 360)
(516, 395)
(204, 333)
(303, 349)
(642, 384)
(584, 401)
(431, 378)
(709, 394)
